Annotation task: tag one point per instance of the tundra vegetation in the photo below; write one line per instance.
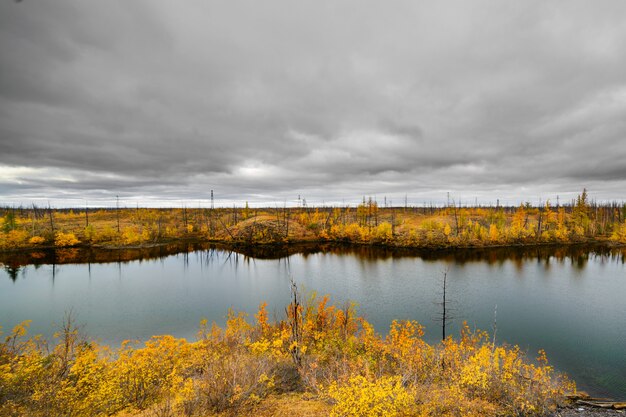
(367, 223)
(318, 360)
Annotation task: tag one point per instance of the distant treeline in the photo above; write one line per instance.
(452, 225)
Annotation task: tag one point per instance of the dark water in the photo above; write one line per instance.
(569, 301)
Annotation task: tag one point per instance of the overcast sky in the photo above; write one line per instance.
(161, 101)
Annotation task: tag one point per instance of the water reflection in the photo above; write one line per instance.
(12, 271)
(577, 255)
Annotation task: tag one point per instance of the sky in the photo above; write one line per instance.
(159, 102)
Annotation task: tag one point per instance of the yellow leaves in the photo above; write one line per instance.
(237, 328)
(20, 330)
(267, 381)
(561, 233)
(280, 341)
(519, 223)
(494, 233)
(81, 393)
(131, 236)
(361, 398)
(500, 375)
(476, 371)
(364, 234)
(323, 234)
(296, 346)
(366, 223)
(260, 347)
(36, 240)
(404, 337)
(206, 333)
(65, 239)
(619, 234)
(353, 232)
(343, 359)
(141, 376)
(383, 233)
(261, 318)
(14, 238)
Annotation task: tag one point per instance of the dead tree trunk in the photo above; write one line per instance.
(51, 219)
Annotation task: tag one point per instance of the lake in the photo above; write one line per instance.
(570, 301)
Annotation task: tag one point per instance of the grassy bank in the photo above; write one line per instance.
(421, 227)
(318, 360)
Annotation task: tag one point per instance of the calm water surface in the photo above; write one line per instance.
(570, 302)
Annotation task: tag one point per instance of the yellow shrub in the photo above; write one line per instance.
(364, 234)
(36, 240)
(383, 232)
(15, 238)
(130, 236)
(431, 225)
(65, 239)
(352, 231)
(146, 234)
(89, 233)
(107, 234)
(619, 235)
(494, 233)
(235, 369)
(336, 232)
(359, 397)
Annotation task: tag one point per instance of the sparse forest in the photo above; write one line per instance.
(453, 225)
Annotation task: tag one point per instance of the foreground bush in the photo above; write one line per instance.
(319, 349)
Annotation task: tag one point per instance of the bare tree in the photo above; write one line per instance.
(86, 214)
(51, 218)
(117, 211)
(495, 327)
(70, 337)
(294, 319)
(444, 317)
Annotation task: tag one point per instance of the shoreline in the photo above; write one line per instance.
(18, 257)
(603, 242)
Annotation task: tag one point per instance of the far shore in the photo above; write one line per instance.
(97, 253)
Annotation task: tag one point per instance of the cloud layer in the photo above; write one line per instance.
(162, 101)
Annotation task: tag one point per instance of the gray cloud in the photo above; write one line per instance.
(164, 101)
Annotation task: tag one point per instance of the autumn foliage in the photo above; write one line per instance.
(450, 226)
(342, 368)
